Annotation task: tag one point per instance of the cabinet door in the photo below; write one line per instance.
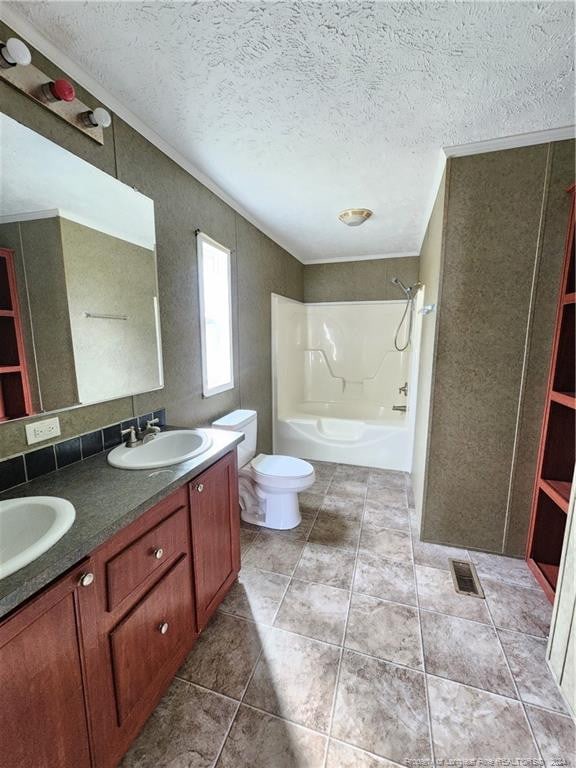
(143, 580)
(43, 719)
(215, 534)
(155, 632)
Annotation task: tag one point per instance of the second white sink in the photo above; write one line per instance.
(29, 526)
(163, 450)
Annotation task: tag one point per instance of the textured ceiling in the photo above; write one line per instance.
(299, 109)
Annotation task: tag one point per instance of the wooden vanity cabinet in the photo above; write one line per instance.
(84, 664)
(43, 715)
(215, 535)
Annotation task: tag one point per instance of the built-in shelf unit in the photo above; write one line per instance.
(556, 456)
(15, 399)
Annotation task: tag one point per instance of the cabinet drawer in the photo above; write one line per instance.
(127, 570)
(150, 638)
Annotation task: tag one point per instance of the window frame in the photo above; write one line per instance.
(201, 240)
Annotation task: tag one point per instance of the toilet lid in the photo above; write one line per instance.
(281, 466)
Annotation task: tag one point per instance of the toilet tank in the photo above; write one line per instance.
(246, 422)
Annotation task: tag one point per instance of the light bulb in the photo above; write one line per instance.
(58, 90)
(99, 117)
(14, 52)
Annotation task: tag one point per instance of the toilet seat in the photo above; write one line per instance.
(281, 473)
(281, 467)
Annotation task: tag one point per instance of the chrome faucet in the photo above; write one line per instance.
(404, 389)
(150, 432)
(142, 436)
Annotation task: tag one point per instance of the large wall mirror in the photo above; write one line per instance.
(79, 316)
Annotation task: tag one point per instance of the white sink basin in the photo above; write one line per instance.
(30, 526)
(163, 450)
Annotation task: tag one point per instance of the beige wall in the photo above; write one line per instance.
(358, 280)
(108, 275)
(505, 218)
(430, 269)
(182, 205)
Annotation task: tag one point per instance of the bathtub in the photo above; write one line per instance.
(351, 433)
(336, 376)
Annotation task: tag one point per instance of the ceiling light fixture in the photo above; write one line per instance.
(353, 217)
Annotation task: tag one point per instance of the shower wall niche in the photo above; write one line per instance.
(342, 392)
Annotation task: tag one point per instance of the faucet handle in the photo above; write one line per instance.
(131, 432)
(152, 425)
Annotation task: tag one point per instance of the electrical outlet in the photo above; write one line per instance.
(39, 431)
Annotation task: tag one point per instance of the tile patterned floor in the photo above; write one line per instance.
(344, 645)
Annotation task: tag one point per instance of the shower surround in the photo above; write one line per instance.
(337, 381)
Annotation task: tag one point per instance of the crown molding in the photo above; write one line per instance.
(12, 218)
(369, 257)
(32, 35)
(511, 142)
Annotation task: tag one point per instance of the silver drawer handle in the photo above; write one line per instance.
(200, 487)
(163, 627)
(159, 553)
(86, 579)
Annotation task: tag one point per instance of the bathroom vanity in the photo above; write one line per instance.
(85, 660)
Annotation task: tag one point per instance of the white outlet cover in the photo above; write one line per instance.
(39, 431)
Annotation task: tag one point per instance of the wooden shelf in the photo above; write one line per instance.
(564, 398)
(550, 573)
(557, 451)
(542, 577)
(15, 394)
(558, 491)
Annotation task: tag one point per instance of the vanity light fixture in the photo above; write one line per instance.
(58, 90)
(98, 117)
(353, 217)
(13, 53)
(57, 96)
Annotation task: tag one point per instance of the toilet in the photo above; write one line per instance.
(268, 485)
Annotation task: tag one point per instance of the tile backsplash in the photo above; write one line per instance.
(28, 466)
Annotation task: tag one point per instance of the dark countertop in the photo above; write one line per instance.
(106, 499)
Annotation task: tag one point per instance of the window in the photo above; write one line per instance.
(215, 315)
